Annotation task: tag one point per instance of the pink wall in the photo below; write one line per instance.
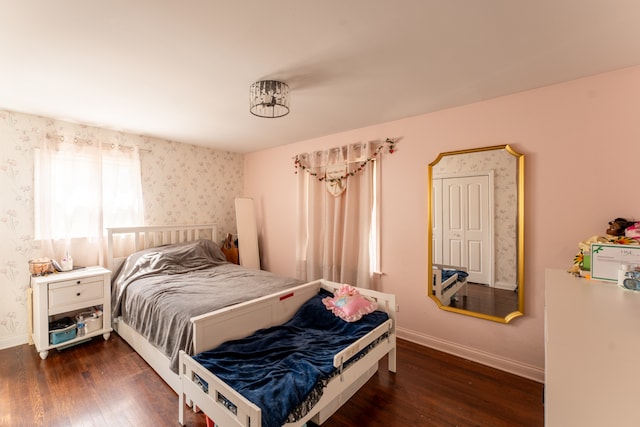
(581, 140)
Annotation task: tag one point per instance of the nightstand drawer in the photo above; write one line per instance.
(72, 292)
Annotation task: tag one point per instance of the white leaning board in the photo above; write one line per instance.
(247, 233)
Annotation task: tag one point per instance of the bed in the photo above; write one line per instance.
(448, 280)
(165, 276)
(224, 334)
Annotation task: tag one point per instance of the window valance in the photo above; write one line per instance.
(331, 165)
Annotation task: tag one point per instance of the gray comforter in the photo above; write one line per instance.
(158, 290)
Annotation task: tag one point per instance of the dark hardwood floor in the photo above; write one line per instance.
(107, 384)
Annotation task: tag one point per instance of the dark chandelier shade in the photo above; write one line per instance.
(269, 98)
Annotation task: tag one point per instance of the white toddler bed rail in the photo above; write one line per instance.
(238, 321)
(445, 290)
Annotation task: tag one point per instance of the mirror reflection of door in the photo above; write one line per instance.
(463, 226)
(476, 223)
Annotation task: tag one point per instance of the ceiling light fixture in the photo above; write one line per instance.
(269, 98)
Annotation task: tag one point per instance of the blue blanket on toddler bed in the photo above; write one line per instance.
(446, 274)
(283, 369)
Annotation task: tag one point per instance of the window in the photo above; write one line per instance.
(82, 188)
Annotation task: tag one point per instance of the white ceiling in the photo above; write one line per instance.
(181, 70)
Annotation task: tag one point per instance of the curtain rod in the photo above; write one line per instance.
(77, 140)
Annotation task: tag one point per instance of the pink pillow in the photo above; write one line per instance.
(348, 304)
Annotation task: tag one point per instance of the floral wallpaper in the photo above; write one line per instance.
(505, 211)
(181, 184)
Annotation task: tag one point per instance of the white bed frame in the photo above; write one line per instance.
(143, 238)
(443, 294)
(242, 320)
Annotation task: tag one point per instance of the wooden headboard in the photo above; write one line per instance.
(144, 237)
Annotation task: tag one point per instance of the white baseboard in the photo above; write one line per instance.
(534, 373)
(13, 341)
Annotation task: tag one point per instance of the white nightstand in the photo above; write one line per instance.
(66, 294)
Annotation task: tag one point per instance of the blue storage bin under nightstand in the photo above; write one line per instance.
(62, 330)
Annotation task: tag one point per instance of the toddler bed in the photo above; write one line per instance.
(285, 359)
(166, 276)
(448, 280)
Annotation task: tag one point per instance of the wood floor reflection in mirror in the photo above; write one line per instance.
(485, 299)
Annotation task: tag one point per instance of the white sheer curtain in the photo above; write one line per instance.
(82, 187)
(334, 239)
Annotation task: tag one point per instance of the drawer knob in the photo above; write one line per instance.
(78, 282)
(78, 294)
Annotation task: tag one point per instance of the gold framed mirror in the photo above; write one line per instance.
(476, 232)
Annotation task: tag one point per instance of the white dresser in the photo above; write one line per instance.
(67, 294)
(592, 366)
